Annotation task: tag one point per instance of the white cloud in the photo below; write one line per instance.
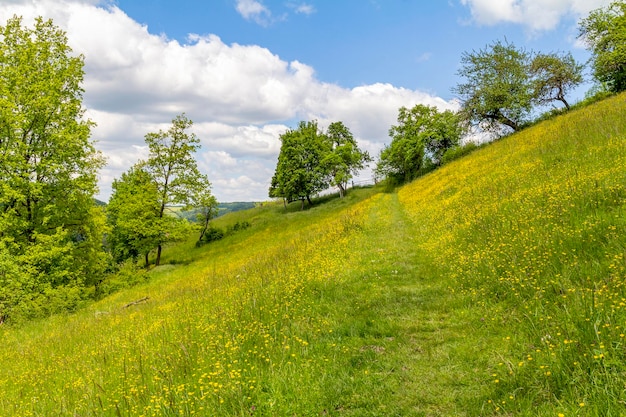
(240, 97)
(254, 10)
(536, 15)
(302, 8)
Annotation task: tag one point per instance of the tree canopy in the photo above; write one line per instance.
(169, 176)
(497, 89)
(133, 210)
(503, 83)
(49, 225)
(299, 172)
(604, 31)
(553, 76)
(311, 160)
(345, 159)
(422, 132)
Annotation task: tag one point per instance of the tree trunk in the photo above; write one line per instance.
(157, 262)
(342, 190)
(147, 260)
(204, 228)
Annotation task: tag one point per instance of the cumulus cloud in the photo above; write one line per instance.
(240, 97)
(536, 15)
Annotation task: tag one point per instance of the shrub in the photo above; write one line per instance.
(457, 152)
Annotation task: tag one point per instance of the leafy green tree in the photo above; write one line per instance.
(553, 76)
(497, 90)
(206, 207)
(133, 213)
(48, 165)
(344, 159)
(422, 132)
(300, 172)
(174, 170)
(604, 31)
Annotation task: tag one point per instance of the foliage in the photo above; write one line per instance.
(206, 208)
(497, 90)
(174, 174)
(300, 172)
(423, 132)
(127, 275)
(133, 212)
(458, 152)
(344, 159)
(604, 31)
(553, 75)
(311, 160)
(211, 234)
(49, 224)
(214, 233)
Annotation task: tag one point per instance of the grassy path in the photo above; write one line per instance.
(421, 348)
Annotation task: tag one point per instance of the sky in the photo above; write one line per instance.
(245, 71)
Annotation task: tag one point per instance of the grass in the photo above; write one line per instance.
(491, 286)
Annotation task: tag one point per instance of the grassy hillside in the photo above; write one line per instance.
(493, 286)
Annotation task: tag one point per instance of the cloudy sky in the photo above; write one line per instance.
(246, 70)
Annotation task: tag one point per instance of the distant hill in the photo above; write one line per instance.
(225, 208)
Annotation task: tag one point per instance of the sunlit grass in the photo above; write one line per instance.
(492, 286)
(533, 229)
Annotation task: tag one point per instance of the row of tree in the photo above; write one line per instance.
(56, 244)
(502, 88)
(503, 85)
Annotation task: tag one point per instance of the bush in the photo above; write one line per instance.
(238, 226)
(129, 274)
(457, 152)
(211, 235)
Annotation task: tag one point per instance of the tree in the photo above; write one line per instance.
(604, 32)
(498, 89)
(300, 172)
(133, 213)
(442, 131)
(345, 158)
(422, 132)
(553, 76)
(173, 170)
(49, 224)
(206, 209)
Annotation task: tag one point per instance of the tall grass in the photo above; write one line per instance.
(492, 286)
(533, 228)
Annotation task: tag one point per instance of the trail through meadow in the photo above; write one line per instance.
(430, 358)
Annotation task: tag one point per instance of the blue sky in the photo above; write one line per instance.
(408, 43)
(246, 70)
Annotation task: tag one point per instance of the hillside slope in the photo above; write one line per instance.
(492, 286)
(533, 230)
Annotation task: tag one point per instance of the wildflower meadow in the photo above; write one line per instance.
(491, 286)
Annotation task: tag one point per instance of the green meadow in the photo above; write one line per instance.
(493, 286)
